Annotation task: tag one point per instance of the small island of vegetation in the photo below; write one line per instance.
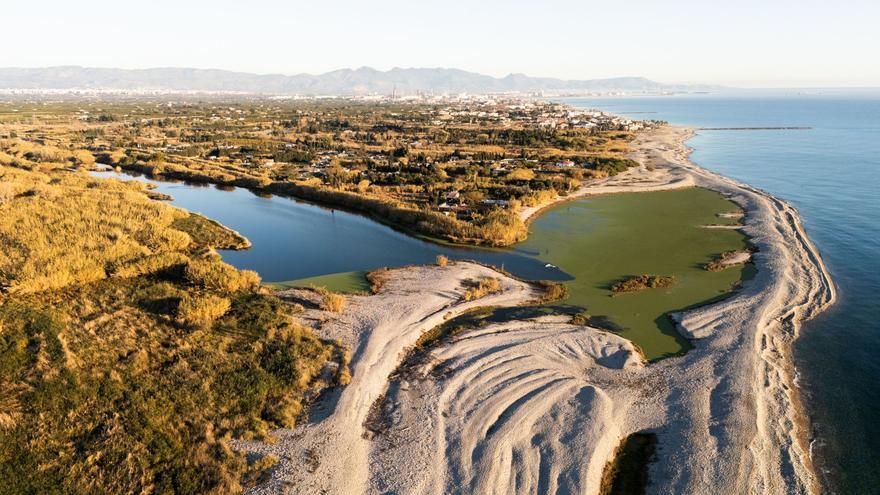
(642, 282)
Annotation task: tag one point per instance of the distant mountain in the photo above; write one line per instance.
(340, 82)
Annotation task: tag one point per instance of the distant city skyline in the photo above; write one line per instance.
(747, 44)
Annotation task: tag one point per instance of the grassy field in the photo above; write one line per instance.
(606, 239)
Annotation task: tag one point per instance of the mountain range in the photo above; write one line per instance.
(364, 80)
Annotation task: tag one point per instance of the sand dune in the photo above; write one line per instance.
(538, 406)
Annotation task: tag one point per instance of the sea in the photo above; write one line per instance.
(830, 172)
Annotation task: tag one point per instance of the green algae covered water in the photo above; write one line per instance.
(607, 238)
(587, 243)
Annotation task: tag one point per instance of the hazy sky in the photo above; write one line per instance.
(747, 43)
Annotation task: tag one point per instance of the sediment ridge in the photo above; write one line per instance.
(539, 405)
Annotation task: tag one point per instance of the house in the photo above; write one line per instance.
(503, 203)
(565, 164)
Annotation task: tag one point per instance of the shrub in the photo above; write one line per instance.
(482, 288)
(201, 311)
(725, 260)
(343, 373)
(330, 301)
(214, 274)
(642, 282)
(377, 279)
(553, 291)
(503, 227)
(127, 403)
(442, 260)
(581, 318)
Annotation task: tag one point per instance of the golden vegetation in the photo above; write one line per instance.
(482, 288)
(330, 301)
(552, 291)
(377, 279)
(726, 260)
(130, 354)
(69, 228)
(201, 311)
(210, 273)
(442, 260)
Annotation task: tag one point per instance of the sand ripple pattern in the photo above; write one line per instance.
(538, 406)
(516, 408)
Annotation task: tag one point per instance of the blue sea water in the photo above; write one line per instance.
(831, 174)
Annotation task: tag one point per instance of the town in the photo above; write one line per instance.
(472, 159)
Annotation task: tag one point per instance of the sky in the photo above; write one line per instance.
(741, 43)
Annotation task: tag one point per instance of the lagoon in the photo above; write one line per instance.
(603, 239)
(587, 243)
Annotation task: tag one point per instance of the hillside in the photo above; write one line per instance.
(345, 81)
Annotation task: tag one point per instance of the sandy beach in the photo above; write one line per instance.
(539, 406)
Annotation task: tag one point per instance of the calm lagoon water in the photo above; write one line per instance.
(831, 174)
(294, 240)
(603, 239)
(594, 242)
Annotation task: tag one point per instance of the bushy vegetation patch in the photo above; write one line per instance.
(481, 288)
(209, 273)
(642, 282)
(627, 472)
(330, 301)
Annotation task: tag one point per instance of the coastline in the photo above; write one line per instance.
(793, 271)
(728, 414)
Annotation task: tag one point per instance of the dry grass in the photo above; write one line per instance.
(482, 288)
(552, 291)
(442, 260)
(128, 356)
(7, 192)
(201, 311)
(724, 260)
(330, 301)
(209, 273)
(65, 228)
(377, 279)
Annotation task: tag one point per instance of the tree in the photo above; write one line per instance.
(336, 175)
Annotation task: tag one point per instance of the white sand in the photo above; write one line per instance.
(379, 328)
(539, 406)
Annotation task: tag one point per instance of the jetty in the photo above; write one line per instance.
(754, 128)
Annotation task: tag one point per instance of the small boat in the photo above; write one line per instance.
(548, 265)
